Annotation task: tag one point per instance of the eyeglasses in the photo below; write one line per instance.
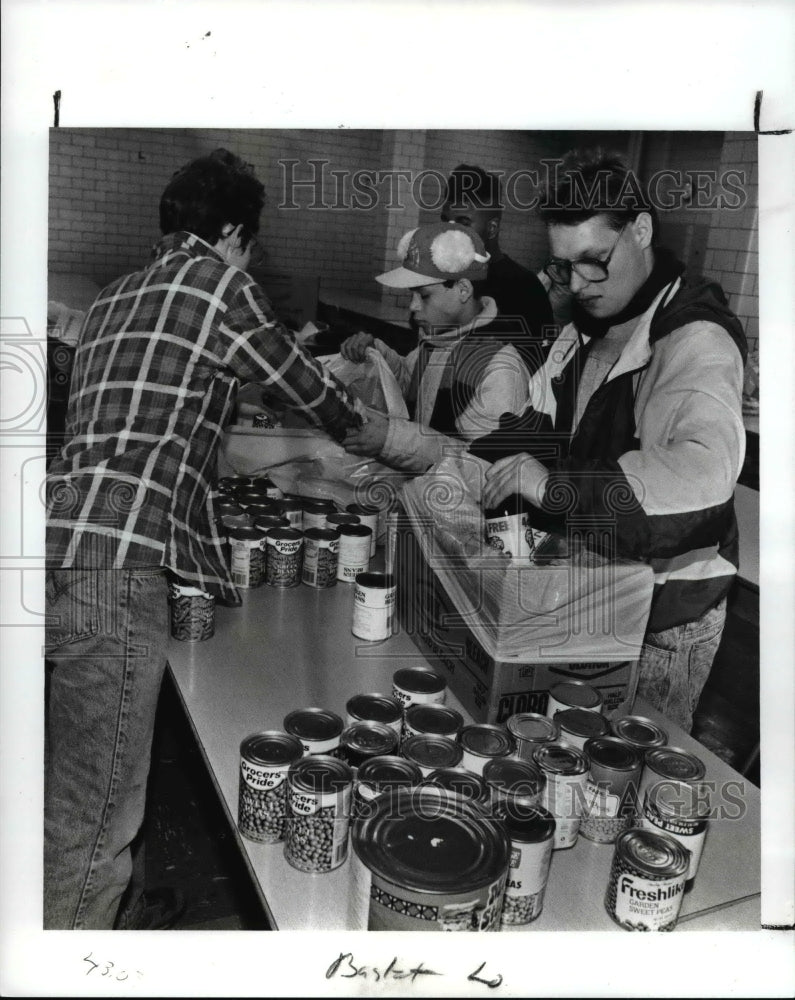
(587, 268)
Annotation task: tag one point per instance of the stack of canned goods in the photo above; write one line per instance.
(284, 540)
(521, 788)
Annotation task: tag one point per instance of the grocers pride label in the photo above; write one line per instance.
(264, 779)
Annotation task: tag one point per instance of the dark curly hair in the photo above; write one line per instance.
(482, 188)
(595, 181)
(209, 192)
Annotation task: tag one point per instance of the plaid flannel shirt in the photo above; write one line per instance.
(157, 366)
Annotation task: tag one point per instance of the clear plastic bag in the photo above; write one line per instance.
(304, 459)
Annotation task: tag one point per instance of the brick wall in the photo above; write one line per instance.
(715, 240)
(733, 245)
(105, 186)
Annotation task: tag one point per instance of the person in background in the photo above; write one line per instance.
(636, 417)
(157, 363)
(461, 377)
(474, 199)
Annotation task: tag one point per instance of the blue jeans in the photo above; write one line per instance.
(107, 636)
(675, 664)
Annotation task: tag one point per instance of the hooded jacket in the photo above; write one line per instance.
(650, 469)
(457, 385)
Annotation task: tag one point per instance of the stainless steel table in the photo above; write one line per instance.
(287, 649)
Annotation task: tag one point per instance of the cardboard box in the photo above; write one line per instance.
(492, 688)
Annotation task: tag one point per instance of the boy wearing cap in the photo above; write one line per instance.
(461, 378)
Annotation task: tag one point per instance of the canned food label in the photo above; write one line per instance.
(314, 520)
(286, 546)
(511, 535)
(348, 572)
(306, 804)
(320, 563)
(600, 803)
(407, 698)
(246, 562)
(262, 778)
(691, 834)
(373, 612)
(565, 797)
(648, 903)
(320, 746)
(528, 870)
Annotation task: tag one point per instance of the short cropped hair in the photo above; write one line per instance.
(591, 182)
(209, 192)
(482, 188)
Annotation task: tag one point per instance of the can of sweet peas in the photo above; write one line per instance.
(318, 813)
(265, 759)
(611, 789)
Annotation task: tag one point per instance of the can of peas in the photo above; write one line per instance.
(265, 760)
(318, 813)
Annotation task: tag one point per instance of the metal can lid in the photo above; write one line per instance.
(374, 707)
(313, 724)
(680, 801)
(285, 535)
(560, 759)
(376, 581)
(340, 519)
(315, 505)
(581, 722)
(432, 841)
(535, 826)
(432, 751)
(271, 747)
(532, 727)
(613, 753)
(243, 533)
(654, 854)
(361, 510)
(355, 530)
(486, 740)
(372, 738)
(464, 783)
(270, 521)
(235, 481)
(673, 762)
(289, 503)
(389, 771)
(578, 694)
(262, 481)
(418, 680)
(639, 731)
(321, 535)
(514, 777)
(228, 507)
(261, 510)
(434, 719)
(249, 496)
(320, 774)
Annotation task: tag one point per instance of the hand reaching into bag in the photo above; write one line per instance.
(355, 347)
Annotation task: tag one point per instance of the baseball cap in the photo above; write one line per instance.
(443, 251)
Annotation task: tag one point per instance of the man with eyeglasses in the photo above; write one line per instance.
(636, 418)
